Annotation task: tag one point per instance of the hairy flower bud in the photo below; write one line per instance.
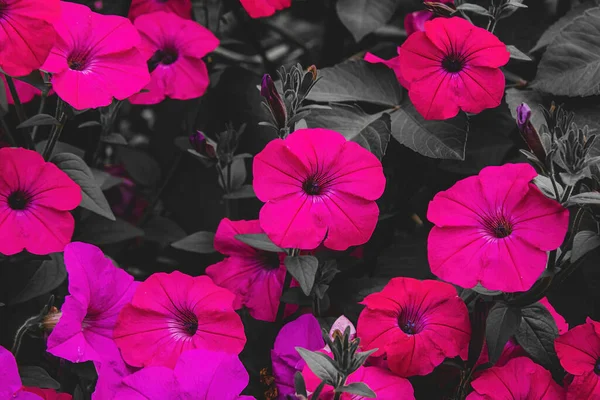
(271, 95)
(529, 133)
(51, 319)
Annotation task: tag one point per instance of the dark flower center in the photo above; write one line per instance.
(452, 63)
(77, 61)
(410, 322)
(166, 56)
(499, 226)
(597, 367)
(18, 200)
(270, 260)
(315, 185)
(187, 322)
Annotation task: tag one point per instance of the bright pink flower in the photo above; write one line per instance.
(10, 381)
(256, 277)
(417, 324)
(98, 291)
(25, 91)
(415, 21)
(198, 374)
(392, 63)
(519, 379)
(95, 58)
(453, 66)
(48, 394)
(182, 8)
(318, 186)
(35, 200)
(561, 323)
(176, 46)
(579, 353)
(494, 229)
(264, 8)
(27, 34)
(172, 313)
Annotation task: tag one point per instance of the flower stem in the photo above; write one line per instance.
(13, 92)
(56, 130)
(40, 110)
(7, 133)
(286, 285)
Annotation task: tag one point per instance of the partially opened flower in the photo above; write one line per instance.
(27, 34)
(453, 66)
(519, 379)
(264, 8)
(35, 200)
(495, 229)
(25, 91)
(97, 292)
(172, 313)
(182, 8)
(318, 186)
(95, 58)
(48, 394)
(579, 353)
(10, 381)
(304, 332)
(417, 324)
(255, 276)
(175, 46)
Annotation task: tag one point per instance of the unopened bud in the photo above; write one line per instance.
(201, 145)
(529, 133)
(51, 319)
(271, 95)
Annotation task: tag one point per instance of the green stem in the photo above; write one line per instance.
(566, 194)
(286, 285)
(56, 130)
(40, 110)
(18, 105)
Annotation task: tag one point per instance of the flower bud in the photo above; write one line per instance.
(271, 95)
(529, 133)
(202, 145)
(51, 319)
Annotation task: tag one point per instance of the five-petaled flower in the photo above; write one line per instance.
(264, 8)
(182, 8)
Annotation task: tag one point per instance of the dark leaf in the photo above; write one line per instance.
(39, 120)
(536, 334)
(584, 242)
(244, 192)
(100, 231)
(37, 377)
(474, 8)
(320, 364)
(358, 388)
(92, 197)
(61, 147)
(48, 277)
(35, 79)
(501, 324)
(517, 54)
(88, 124)
(199, 242)
(163, 230)
(299, 384)
(362, 17)
(140, 166)
(304, 270)
(259, 241)
(584, 198)
(115, 138)
(295, 295)
(481, 290)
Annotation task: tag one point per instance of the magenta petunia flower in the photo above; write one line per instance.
(494, 229)
(35, 200)
(317, 186)
(176, 46)
(417, 324)
(27, 34)
(579, 353)
(264, 8)
(172, 313)
(256, 277)
(415, 21)
(199, 374)
(182, 8)
(95, 58)
(48, 394)
(10, 381)
(519, 379)
(97, 292)
(453, 66)
(304, 332)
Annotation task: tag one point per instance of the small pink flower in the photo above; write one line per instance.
(417, 324)
(519, 379)
(494, 229)
(35, 200)
(172, 313)
(27, 34)
(318, 186)
(579, 353)
(182, 8)
(95, 58)
(10, 381)
(264, 8)
(453, 66)
(176, 46)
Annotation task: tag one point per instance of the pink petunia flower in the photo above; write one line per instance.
(494, 229)
(182, 8)
(264, 8)
(27, 34)
(417, 324)
(10, 381)
(453, 66)
(48, 394)
(176, 46)
(579, 353)
(95, 58)
(172, 313)
(318, 186)
(25, 91)
(256, 277)
(415, 21)
(199, 374)
(35, 200)
(98, 290)
(519, 379)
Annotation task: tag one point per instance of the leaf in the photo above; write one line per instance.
(163, 230)
(376, 136)
(584, 198)
(100, 231)
(244, 192)
(295, 295)
(358, 388)
(115, 138)
(39, 120)
(304, 270)
(299, 384)
(238, 174)
(584, 242)
(48, 277)
(362, 17)
(35, 79)
(199, 242)
(61, 147)
(474, 8)
(105, 180)
(502, 323)
(92, 197)
(183, 142)
(536, 334)
(571, 64)
(357, 80)
(436, 139)
(517, 54)
(88, 124)
(37, 377)
(481, 290)
(140, 166)
(320, 364)
(259, 241)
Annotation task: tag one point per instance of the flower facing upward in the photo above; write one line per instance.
(317, 186)
(95, 58)
(264, 8)
(494, 228)
(417, 324)
(182, 8)
(174, 47)
(172, 313)
(453, 66)
(35, 200)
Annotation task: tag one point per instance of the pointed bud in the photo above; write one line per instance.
(271, 95)
(51, 319)
(202, 145)
(529, 133)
